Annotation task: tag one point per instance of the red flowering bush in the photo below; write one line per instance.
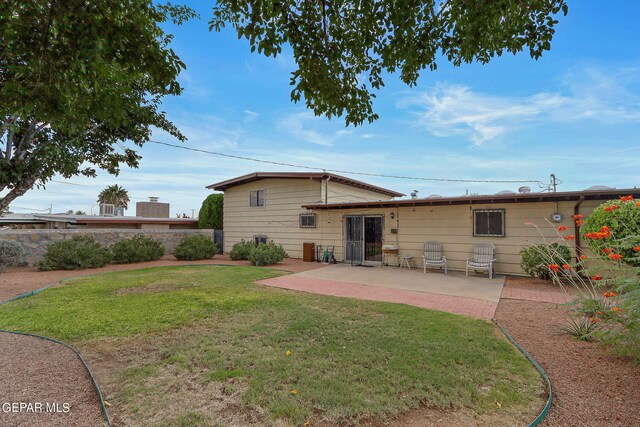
(615, 223)
(608, 279)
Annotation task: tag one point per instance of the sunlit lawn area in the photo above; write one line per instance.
(206, 346)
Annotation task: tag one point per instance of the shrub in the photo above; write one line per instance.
(536, 259)
(241, 250)
(267, 254)
(582, 328)
(615, 223)
(10, 253)
(139, 248)
(195, 247)
(79, 252)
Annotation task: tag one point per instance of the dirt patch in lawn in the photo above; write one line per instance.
(146, 289)
(591, 386)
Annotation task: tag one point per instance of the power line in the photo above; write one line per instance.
(251, 159)
(28, 209)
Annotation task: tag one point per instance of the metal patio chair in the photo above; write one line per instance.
(484, 255)
(433, 256)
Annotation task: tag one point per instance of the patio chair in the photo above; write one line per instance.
(483, 258)
(433, 257)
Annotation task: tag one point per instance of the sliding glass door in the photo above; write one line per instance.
(363, 239)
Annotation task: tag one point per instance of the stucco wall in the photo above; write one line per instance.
(35, 242)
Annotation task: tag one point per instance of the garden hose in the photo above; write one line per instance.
(545, 377)
(104, 408)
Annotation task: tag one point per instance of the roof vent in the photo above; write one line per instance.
(414, 194)
(599, 187)
(524, 189)
(505, 192)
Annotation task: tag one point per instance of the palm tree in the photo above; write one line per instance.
(114, 195)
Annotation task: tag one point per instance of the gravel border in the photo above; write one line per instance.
(591, 387)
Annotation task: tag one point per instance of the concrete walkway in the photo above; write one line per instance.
(473, 296)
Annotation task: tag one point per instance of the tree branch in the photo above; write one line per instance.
(16, 192)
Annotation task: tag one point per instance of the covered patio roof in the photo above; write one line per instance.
(607, 194)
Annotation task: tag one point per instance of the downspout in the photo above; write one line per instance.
(578, 248)
(326, 190)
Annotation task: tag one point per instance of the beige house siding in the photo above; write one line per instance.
(340, 193)
(277, 219)
(453, 227)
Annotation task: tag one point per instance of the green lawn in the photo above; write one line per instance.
(206, 346)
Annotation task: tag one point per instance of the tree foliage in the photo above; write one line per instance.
(76, 79)
(211, 212)
(343, 47)
(114, 195)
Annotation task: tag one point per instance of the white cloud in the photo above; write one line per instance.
(457, 110)
(309, 128)
(250, 116)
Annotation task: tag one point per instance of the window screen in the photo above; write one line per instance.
(308, 220)
(256, 198)
(488, 222)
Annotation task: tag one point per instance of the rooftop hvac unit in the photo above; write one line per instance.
(107, 210)
(524, 189)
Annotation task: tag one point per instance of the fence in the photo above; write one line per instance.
(35, 242)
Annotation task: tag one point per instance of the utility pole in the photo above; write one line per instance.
(554, 182)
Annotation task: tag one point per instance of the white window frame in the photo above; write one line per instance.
(503, 228)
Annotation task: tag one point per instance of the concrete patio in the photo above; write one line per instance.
(434, 281)
(475, 296)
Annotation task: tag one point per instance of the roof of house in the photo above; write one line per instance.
(607, 194)
(89, 219)
(316, 176)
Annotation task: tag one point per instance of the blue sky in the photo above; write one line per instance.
(575, 113)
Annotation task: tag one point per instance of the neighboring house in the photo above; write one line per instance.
(61, 221)
(291, 209)
(265, 206)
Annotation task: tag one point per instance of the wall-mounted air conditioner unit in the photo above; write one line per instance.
(107, 210)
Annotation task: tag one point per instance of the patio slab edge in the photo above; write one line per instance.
(471, 307)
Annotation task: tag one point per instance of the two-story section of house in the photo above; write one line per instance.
(264, 206)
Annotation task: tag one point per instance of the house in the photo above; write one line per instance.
(62, 221)
(265, 206)
(358, 218)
